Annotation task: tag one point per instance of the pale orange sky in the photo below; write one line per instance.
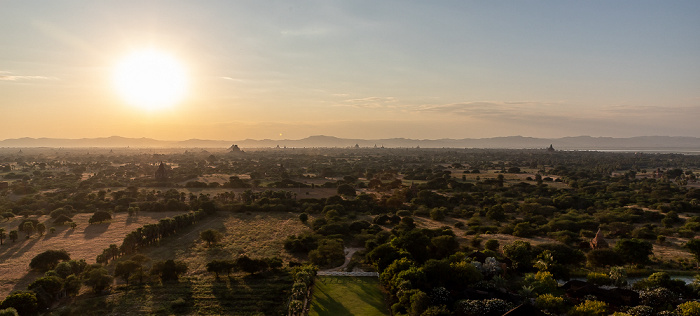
(359, 69)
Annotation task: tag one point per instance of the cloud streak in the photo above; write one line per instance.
(371, 102)
(8, 76)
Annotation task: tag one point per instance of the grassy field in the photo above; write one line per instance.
(347, 296)
(198, 292)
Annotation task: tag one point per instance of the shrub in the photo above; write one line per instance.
(551, 303)
(10, 311)
(303, 217)
(589, 308)
(61, 211)
(99, 217)
(492, 244)
(641, 310)
(48, 259)
(437, 214)
(690, 308)
(329, 253)
(24, 302)
(658, 297)
(169, 270)
(98, 279)
(211, 236)
(603, 257)
(598, 278)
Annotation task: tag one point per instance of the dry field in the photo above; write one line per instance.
(84, 242)
(255, 235)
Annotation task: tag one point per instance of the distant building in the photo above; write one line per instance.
(658, 173)
(161, 173)
(598, 242)
(551, 148)
(234, 149)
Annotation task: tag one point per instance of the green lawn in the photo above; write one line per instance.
(347, 296)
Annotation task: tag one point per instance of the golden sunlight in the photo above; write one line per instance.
(150, 80)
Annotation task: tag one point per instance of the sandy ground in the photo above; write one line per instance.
(84, 242)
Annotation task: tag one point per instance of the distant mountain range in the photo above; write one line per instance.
(650, 143)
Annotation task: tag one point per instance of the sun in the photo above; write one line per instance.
(150, 80)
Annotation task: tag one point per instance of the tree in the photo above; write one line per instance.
(492, 244)
(48, 259)
(72, 285)
(220, 266)
(443, 246)
(634, 250)
(25, 302)
(62, 219)
(49, 286)
(520, 252)
(346, 189)
(693, 246)
(41, 229)
(303, 217)
(124, 269)
(211, 236)
(99, 217)
(169, 270)
(3, 235)
(13, 235)
(604, 257)
(28, 228)
(329, 253)
(98, 279)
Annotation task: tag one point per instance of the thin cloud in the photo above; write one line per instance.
(487, 108)
(8, 76)
(371, 102)
(650, 110)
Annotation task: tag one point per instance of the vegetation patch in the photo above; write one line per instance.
(334, 295)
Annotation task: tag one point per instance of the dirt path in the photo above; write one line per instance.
(349, 252)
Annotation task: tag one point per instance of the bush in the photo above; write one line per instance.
(211, 236)
(329, 253)
(99, 217)
(169, 270)
(61, 211)
(589, 308)
(551, 303)
(98, 279)
(24, 302)
(10, 311)
(604, 257)
(437, 214)
(598, 278)
(691, 308)
(48, 259)
(492, 244)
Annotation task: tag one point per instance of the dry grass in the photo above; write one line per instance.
(84, 242)
(256, 235)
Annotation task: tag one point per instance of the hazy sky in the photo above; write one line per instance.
(358, 69)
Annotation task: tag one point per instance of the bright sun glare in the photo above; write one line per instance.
(150, 80)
